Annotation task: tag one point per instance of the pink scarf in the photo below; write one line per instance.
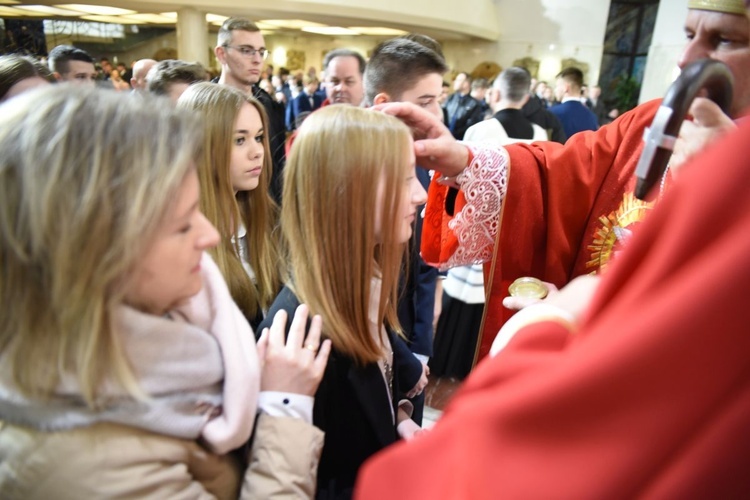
(198, 369)
(214, 311)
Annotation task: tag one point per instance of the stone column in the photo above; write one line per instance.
(192, 36)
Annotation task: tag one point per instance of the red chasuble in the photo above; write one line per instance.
(649, 398)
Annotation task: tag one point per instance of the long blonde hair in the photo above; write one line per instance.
(219, 106)
(86, 178)
(339, 159)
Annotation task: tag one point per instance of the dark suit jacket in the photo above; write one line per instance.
(463, 112)
(300, 105)
(535, 111)
(351, 407)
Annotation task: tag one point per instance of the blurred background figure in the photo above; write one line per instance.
(21, 73)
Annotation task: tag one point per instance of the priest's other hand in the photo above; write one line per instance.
(708, 124)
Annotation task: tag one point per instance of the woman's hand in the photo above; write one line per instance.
(297, 365)
(421, 384)
(406, 427)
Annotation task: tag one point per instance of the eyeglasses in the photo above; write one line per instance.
(247, 51)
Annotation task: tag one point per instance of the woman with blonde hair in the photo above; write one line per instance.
(350, 198)
(126, 370)
(235, 174)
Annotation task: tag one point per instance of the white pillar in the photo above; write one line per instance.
(192, 36)
(667, 45)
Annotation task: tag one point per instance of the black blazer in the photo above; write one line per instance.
(352, 408)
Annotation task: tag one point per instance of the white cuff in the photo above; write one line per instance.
(422, 358)
(286, 404)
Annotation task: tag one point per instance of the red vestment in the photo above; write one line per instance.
(648, 398)
(558, 217)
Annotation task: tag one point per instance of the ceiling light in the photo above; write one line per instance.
(265, 26)
(377, 30)
(46, 9)
(111, 19)
(11, 12)
(152, 18)
(215, 18)
(330, 30)
(99, 10)
(293, 24)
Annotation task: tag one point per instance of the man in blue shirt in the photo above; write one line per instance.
(573, 114)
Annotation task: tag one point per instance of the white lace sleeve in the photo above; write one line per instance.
(484, 184)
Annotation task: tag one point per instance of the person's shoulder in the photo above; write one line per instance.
(486, 129)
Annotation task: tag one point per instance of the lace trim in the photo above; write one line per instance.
(484, 184)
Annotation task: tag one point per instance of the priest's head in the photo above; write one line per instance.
(720, 29)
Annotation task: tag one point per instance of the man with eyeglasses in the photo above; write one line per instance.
(241, 51)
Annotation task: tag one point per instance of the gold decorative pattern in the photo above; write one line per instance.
(295, 60)
(727, 6)
(487, 70)
(630, 211)
(531, 65)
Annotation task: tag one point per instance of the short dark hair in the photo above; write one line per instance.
(513, 84)
(235, 24)
(573, 76)
(426, 41)
(170, 71)
(60, 56)
(397, 64)
(344, 53)
(15, 68)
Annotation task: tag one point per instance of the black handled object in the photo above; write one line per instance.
(660, 137)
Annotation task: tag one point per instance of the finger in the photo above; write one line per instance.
(297, 330)
(443, 154)
(707, 113)
(411, 115)
(262, 345)
(518, 303)
(312, 340)
(278, 330)
(321, 360)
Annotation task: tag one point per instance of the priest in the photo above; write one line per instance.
(553, 211)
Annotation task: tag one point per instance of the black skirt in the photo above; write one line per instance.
(456, 338)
